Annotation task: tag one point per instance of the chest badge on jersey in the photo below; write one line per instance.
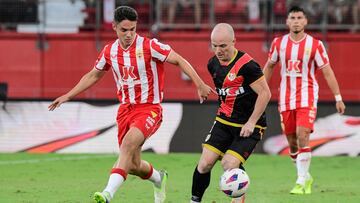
(231, 76)
(139, 53)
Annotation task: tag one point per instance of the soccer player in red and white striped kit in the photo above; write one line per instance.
(137, 64)
(300, 56)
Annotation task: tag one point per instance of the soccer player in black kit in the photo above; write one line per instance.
(240, 122)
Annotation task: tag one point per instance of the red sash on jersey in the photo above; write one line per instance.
(232, 80)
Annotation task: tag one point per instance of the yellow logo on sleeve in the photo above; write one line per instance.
(153, 114)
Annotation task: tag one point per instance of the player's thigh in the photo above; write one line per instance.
(132, 141)
(288, 122)
(305, 117)
(123, 121)
(242, 147)
(303, 134)
(207, 160)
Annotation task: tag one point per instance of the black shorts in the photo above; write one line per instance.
(225, 138)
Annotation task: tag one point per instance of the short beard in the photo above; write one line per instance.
(297, 31)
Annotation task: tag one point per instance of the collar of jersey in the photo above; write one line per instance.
(233, 58)
(297, 42)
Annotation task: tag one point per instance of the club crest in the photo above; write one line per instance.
(231, 76)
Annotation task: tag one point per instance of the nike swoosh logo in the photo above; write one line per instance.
(61, 143)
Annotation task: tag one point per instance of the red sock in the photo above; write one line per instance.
(150, 173)
(119, 171)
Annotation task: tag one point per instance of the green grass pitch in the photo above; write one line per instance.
(73, 178)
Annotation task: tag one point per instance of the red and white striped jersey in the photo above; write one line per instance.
(299, 62)
(138, 71)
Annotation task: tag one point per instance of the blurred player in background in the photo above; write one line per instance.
(138, 67)
(300, 56)
(240, 121)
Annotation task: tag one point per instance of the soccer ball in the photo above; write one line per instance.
(234, 182)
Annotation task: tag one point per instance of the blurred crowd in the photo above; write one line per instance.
(338, 11)
(179, 14)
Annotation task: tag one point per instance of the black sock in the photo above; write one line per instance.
(199, 185)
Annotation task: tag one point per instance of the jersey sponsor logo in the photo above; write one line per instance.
(128, 72)
(312, 114)
(293, 69)
(230, 91)
(149, 122)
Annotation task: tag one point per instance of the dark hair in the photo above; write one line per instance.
(125, 13)
(296, 9)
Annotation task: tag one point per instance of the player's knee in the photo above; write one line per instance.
(229, 163)
(204, 166)
(304, 135)
(303, 132)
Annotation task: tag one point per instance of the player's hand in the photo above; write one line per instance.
(340, 107)
(203, 91)
(247, 129)
(57, 102)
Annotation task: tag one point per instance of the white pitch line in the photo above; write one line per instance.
(34, 161)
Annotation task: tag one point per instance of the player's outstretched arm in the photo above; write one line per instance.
(334, 87)
(86, 81)
(203, 89)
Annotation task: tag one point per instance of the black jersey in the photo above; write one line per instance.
(232, 82)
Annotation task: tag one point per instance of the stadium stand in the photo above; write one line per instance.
(85, 21)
